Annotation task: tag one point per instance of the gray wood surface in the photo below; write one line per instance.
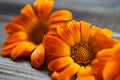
(22, 69)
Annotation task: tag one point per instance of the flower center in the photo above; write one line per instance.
(82, 54)
(38, 32)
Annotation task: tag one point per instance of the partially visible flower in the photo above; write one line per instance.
(112, 67)
(27, 30)
(78, 49)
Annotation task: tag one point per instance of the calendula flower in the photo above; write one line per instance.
(27, 30)
(76, 50)
(112, 67)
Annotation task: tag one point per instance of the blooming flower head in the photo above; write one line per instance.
(112, 67)
(27, 30)
(76, 50)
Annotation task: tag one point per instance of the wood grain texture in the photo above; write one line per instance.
(20, 70)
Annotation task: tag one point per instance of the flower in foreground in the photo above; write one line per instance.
(76, 50)
(27, 30)
(112, 67)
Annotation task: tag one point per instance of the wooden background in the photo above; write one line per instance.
(105, 16)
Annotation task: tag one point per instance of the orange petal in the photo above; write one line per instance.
(7, 48)
(104, 31)
(116, 50)
(101, 41)
(13, 28)
(66, 36)
(15, 25)
(28, 12)
(85, 31)
(16, 37)
(97, 67)
(112, 70)
(98, 30)
(118, 77)
(53, 31)
(93, 32)
(68, 72)
(54, 75)
(48, 57)
(24, 22)
(74, 30)
(84, 72)
(6, 53)
(109, 43)
(24, 49)
(55, 25)
(98, 64)
(87, 78)
(28, 18)
(112, 66)
(55, 46)
(37, 57)
(107, 32)
(59, 63)
(61, 15)
(43, 8)
(12, 41)
(104, 54)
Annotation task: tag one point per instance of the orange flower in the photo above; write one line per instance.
(112, 67)
(27, 30)
(76, 49)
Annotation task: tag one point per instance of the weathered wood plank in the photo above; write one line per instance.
(20, 70)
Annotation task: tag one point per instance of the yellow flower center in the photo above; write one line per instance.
(82, 54)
